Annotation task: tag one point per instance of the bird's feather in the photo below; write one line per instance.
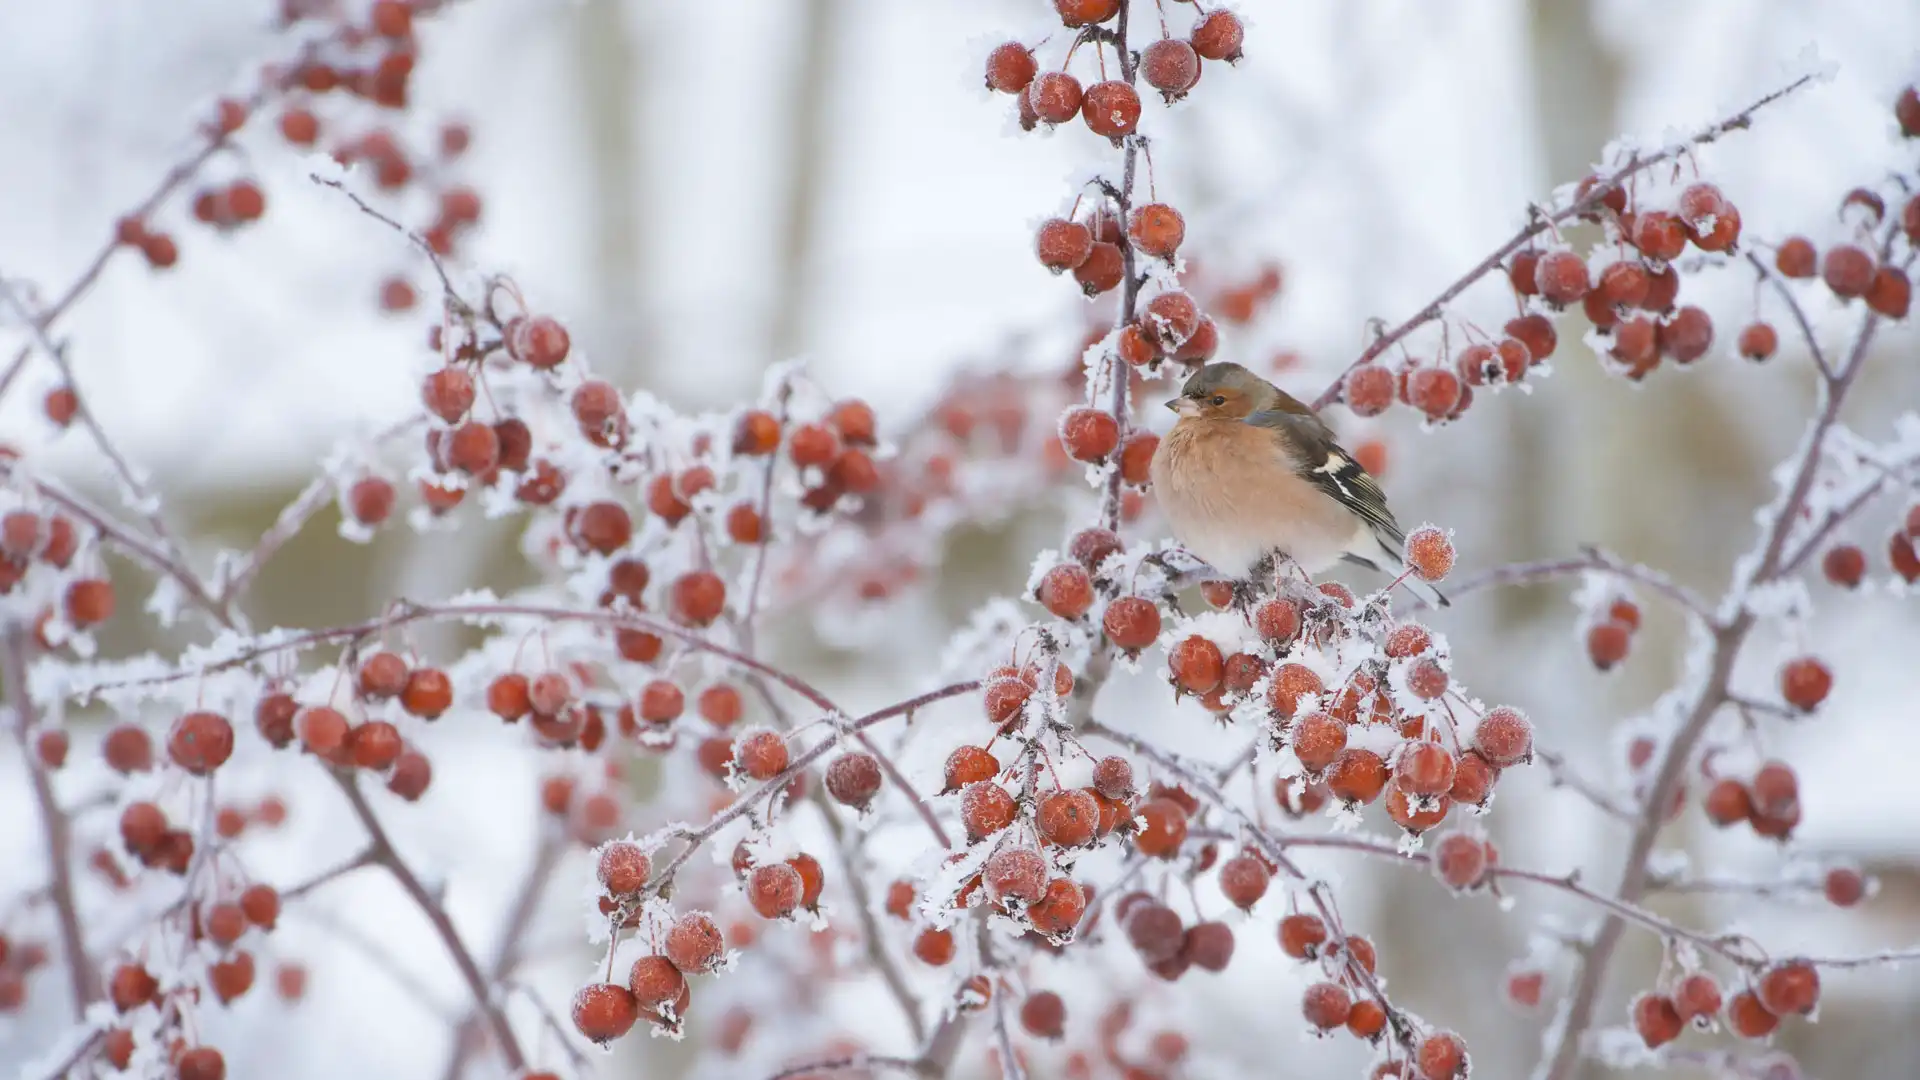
(1324, 463)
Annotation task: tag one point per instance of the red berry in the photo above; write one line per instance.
(1560, 277)
(1368, 389)
(1111, 108)
(1131, 623)
(1357, 776)
(1727, 803)
(1460, 861)
(1010, 68)
(1434, 391)
(1659, 235)
(604, 1011)
(1068, 818)
(1686, 335)
(774, 890)
(200, 742)
(1102, 271)
(1196, 665)
(985, 809)
(1805, 683)
(1165, 828)
(1157, 229)
(1043, 1015)
(1607, 643)
(1844, 565)
(697, 598)
(1085, 12)
(1062, 244)
(1891, 293)
(1089, 434)
(761, 755)
(1844, 886)
(1906, 109)
(1504, 736)
(1278, 621)
(1696, 998)
(539, 341)
(1055, 96)
(1442, 1056)
(1318, 740)
(1657, 1021)
(1170, 66)
(1748, 1018)
(1796, 258)
(1218, 35)
(1792, 987)
(853, 779)
(1848, 271)
(1326, 1005)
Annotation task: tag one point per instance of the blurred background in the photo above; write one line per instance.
(702, 190)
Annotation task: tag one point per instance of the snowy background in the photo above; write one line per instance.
(701, 190)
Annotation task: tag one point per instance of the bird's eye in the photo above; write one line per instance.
(1218, 401)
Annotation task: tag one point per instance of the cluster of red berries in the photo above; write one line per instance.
(1790, 988)
(1110, 107)
(1845, 565)
(81, 596)
(1609, 633)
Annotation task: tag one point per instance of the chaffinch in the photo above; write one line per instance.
(1249, 474)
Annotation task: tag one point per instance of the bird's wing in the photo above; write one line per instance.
(1326, 465)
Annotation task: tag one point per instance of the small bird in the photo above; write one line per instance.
(1250, 474)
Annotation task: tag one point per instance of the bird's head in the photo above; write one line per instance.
(1223, 391)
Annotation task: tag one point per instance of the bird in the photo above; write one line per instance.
(1249, 474)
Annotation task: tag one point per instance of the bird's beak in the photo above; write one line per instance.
(1183, 406)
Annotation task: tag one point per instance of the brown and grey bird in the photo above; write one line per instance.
(1250, 474)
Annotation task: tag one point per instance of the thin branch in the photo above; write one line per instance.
(1010, 1066)
(1541, 222)
(452, 295)
(368, 856)
(1799, 313)
(512, 944)
(871, 935)
(850, 1063)
(54, 826)
(1590, 559)
(385, 855)
(136, 546)
(1561, 774)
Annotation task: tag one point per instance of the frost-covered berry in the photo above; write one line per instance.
(968, 764)
(623, 868)
(1156, 228)
(427, 693)
(1748, 1018)
(448, 393)
(1172, 316)
(1170, 66)
(761, 755)
(538, 341)
(1791, 987)
(1318, 740)
(697, 598)
(1278, 621)
(985, 809)
(1113, 777)
(695, 944)
(1536, 332)
(604, 1011)
(1089, 434)
(1196, 665)
(1473, 780)
(1218, 35)
(1062, 245)
(1430, 553)
(1291, 683)
(1131, 623)
(1055, 97)
(1659, 235)
(1163, 828)
(1504, 736)
(1560, 277)
(1686, 335)
(1423, 768)
(1434, 391)
(1068, 818)
(1302, 936)
(1805, 682)
(1102, 270)
(1015, 874)
(1010, 68)
(774, 890)
(853, 779)
(1357, 776)
(1442, 1056)
(1368, 389)
(1326, 1005)
(1697, 998)
(1244, 880)
(1111, 108)
(1460, 861)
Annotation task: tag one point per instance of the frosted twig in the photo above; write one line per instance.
(849, 1063)
(1799, 314)
(1562, 775)
(1590, 558)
